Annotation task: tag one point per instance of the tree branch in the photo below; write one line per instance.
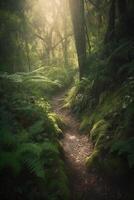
(93, 3)
(40, 37)
(58, 43)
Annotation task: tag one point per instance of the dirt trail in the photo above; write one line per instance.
(85, 185)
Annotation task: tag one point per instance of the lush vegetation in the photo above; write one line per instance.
(35, 63)
(104, 97)
(38, 58)
(31, 164)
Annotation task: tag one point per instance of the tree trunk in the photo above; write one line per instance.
(77, 13)
(27, 54)
(65, 42)
(110, 34)
(130, 19)
(122, 18)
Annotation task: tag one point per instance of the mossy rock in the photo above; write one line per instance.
(57, 123)
(59, 120)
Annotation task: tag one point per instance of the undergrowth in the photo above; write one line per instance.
(31, 164)
(44, 81)
(104, 102)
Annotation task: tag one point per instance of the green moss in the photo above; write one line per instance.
(57, 123)
(59, 120)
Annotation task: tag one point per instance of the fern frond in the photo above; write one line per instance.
(10, 160)
(37, 127)
(7, 140)
(35, 166)
(32, 148)
(50, 147)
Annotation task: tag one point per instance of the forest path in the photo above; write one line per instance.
(85, 185)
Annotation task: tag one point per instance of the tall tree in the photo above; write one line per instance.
(13, 44)
(121, 20)
(110, 33)
(77, 13)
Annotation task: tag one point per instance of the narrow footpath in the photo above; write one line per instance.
(84, 184)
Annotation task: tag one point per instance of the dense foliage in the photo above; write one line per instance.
(104, 98)
(30, 154)
(38, 59)
(105, 105)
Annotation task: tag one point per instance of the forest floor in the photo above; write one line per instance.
(84, 184)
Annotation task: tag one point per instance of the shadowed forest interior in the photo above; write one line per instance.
(67, 99)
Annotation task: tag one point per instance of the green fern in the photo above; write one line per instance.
(37, 128)
(50, 147)
(29, 147)
(34, 156)
(7, 140)
(26, 118)
(34, 164)
(10, 160)
(29, 155)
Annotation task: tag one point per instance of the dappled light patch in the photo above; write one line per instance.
(72, 137)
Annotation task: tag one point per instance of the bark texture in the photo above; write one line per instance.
(77, 13)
